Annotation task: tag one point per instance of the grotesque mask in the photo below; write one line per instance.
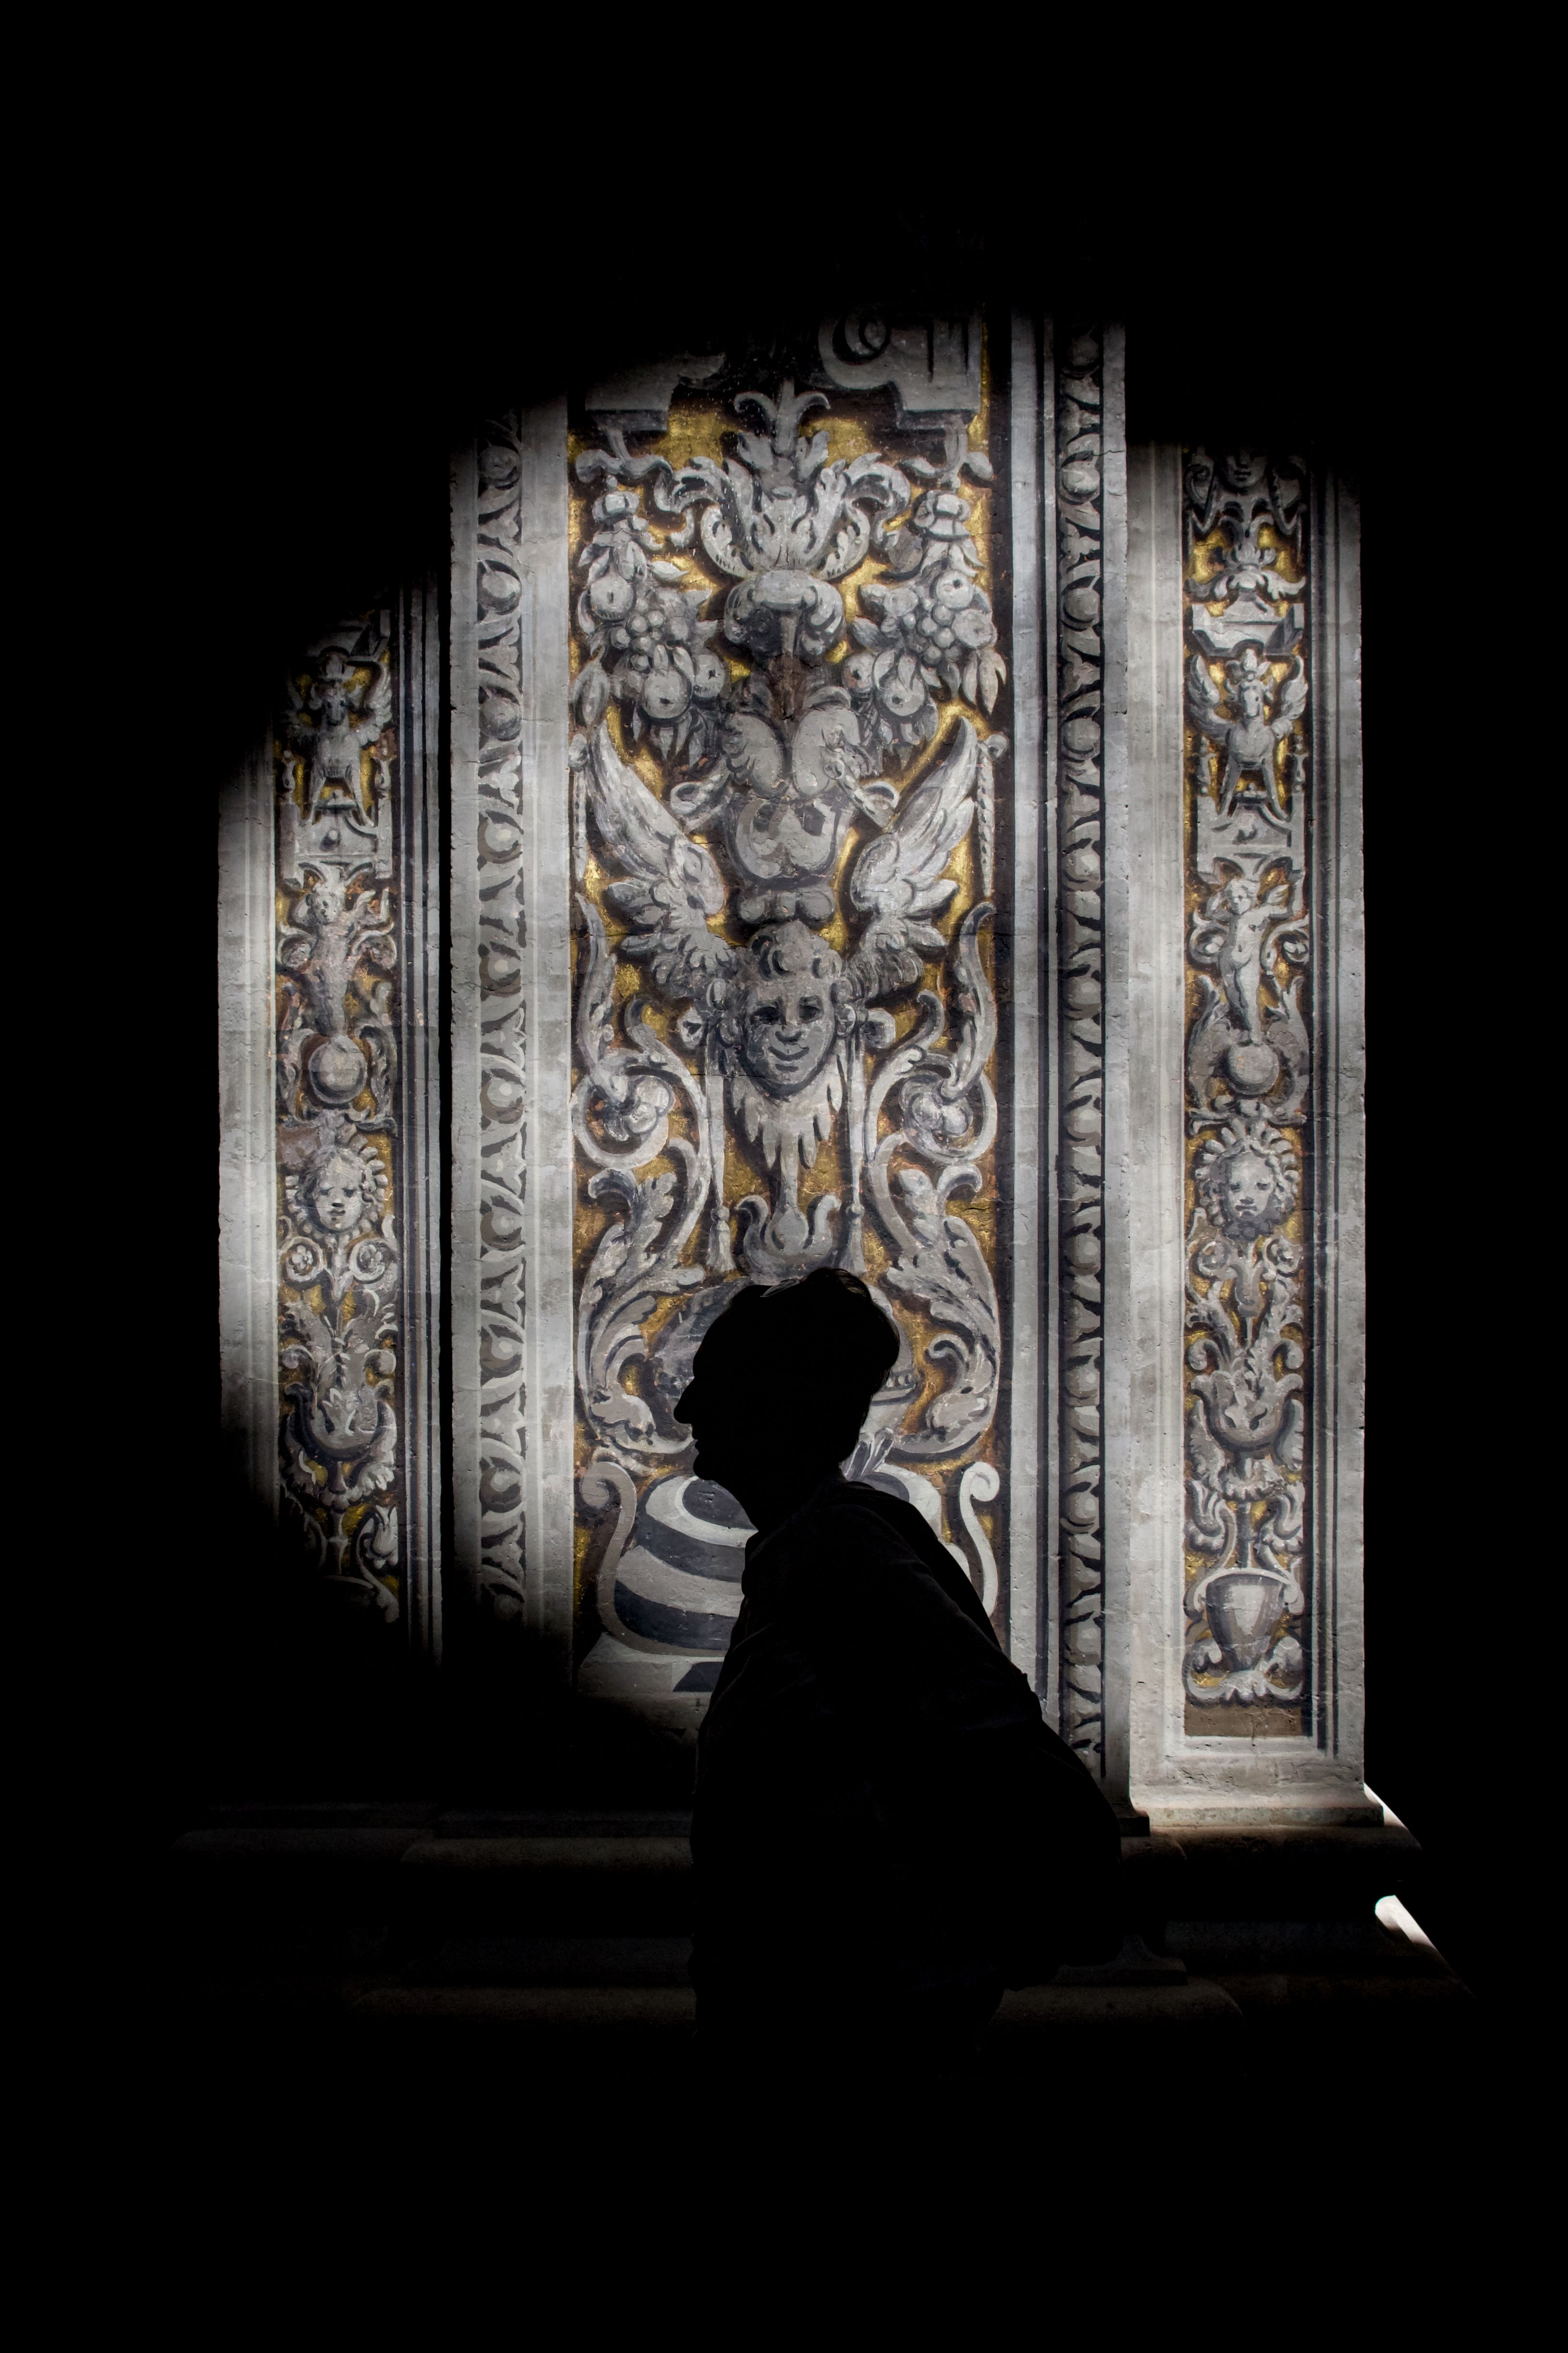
(1246, 1180)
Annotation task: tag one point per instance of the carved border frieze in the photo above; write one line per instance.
(498, 589)
(1080, 957)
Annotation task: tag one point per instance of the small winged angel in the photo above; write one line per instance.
(352, 714)
(1248, 739)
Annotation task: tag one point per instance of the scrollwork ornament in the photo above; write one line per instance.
(1248, 1070)
(767, 798)
(337, 1087)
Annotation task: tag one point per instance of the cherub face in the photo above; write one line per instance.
(1245, 468)
(788, 1030)
(1248, 1194)
(1238, 895)
(337, 1193)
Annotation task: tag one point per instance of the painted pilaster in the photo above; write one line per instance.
(1027, 996)
(1240, 1176)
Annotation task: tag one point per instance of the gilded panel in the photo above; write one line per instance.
(790, 684)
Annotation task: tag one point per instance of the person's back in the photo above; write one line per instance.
(885, 1831)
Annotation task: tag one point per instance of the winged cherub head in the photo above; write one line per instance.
(786, 1011)
(339, 1193)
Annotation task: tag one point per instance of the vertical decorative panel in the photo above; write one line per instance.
(1248, 1093)
(496, 589)
(1080, 575)
(339, 1022)
(789, 685)
(510, 986)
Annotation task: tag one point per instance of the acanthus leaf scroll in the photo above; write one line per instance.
(1249, 1076)
(769, 796)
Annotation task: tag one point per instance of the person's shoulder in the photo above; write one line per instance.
(869, 1516)
(840, 1531)
(888, 1539)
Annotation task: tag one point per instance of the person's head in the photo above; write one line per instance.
(784, 1378)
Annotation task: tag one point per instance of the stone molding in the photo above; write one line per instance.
(1086, 524)
(248, 1185)
(510, 1285)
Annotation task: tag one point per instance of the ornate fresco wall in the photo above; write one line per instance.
(879, 829)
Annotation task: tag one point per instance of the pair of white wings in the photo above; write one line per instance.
(1205, 700)
(673, 886)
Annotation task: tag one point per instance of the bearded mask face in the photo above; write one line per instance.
(1248, 1195)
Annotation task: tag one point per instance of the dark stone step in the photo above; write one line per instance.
(1359, 1949)
(502, 1961)
(630, 1885)
(435, 1875)
(554, 2010)
(1295, 1873)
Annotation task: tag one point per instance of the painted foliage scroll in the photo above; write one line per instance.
(337, 1076)
(1247, 1092)
(788, 688)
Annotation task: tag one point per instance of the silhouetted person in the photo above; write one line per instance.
(886, 1833)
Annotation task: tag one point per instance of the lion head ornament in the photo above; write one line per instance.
(1246, 1179)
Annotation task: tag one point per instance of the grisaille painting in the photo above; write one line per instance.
(790, 785)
